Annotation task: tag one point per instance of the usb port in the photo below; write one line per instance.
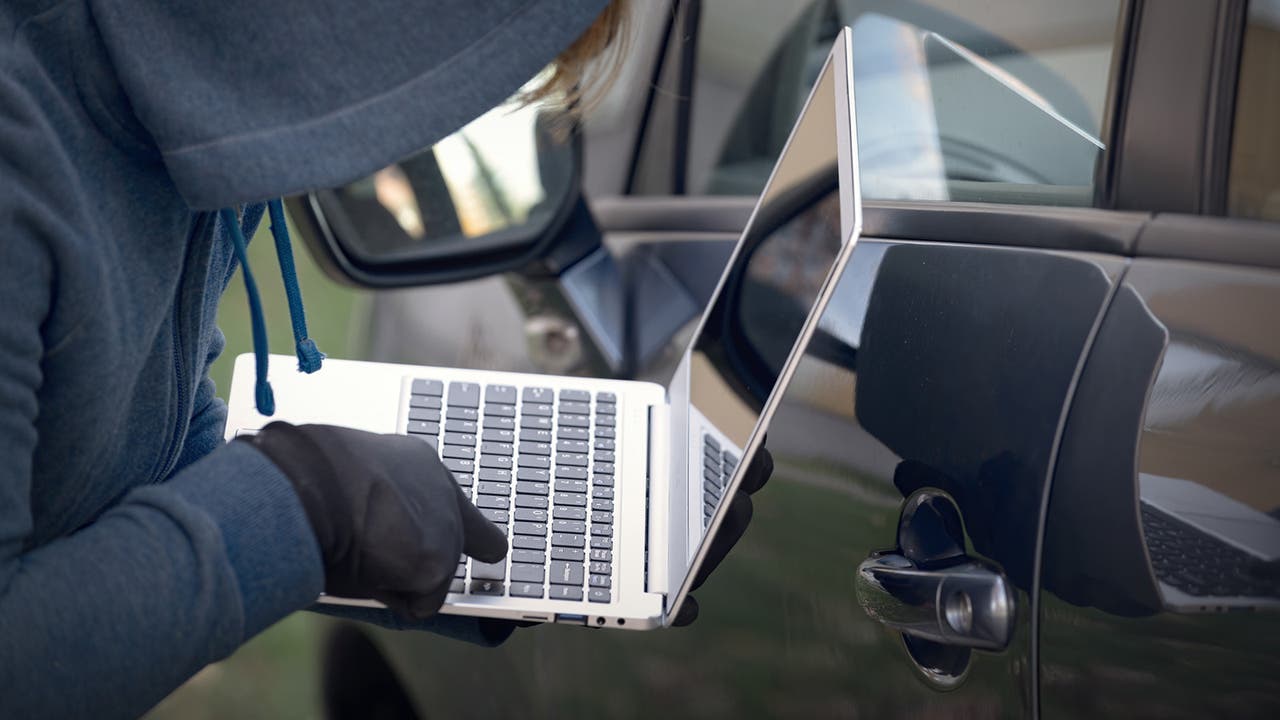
(569, 619)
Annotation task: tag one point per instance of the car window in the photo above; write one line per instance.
(1253, 186)
(956, 99)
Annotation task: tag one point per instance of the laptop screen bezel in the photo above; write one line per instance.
(839, 61)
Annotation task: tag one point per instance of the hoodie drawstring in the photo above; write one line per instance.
(309, 356)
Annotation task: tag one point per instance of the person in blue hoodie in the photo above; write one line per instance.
(141, 142)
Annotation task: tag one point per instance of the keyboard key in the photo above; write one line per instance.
(486, 587)
(498, 435)
(535, 557)
(603, 421)
(602, 543)
(604, 444)
(495, 502)
(536, 410)
(523, 573)
(494, 448)
(575, 486)
(457, 451)
(602, 480)
(532, 501)
(529, 542)
(565, 592)
(461, 571)
(535, 435)
(571, 446)
(461, 426)
(533, 422)
(601, 556)
(566, 573)
(569, 513)
(603, 408)
(535, 461)
(527, 590)
(501, 475)
(571, 499)
(499, 423)
(493, 488)
(465, 492)
(458, 465)
(571, 473)
(604, 518)
(533, 488)
(573, 541)
(575, 396)
(464, 394)
(504, 394)
(711, 463)
(604, 456)
(537, 395)
(507, 411)
(602, 530)
(529, 528)
(600, 581)
(428, 387)
(574, 527)
(535, 448)
(460, 439)
(534, 474)
(602, 493)
(571, 459)
(567, 554)
(530, 515)
(605, 432)
(418, 427)
(457, 586)
(499, 517)
(424, 415)
(488, 571)
(598, 567)
(710, 498)
(730, 459)
(463, 479)
(602, 505)
(575, 408)
(574, 433)
(606, 397)
(711, 476)
(462, 413)
(578, 421)
(708, 440)
(495, 461)
(598, 595)
(601, 467)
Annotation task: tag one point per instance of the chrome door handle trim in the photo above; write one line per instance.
(964, 605)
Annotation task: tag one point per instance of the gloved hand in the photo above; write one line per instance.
(731, 529)
(390, 520)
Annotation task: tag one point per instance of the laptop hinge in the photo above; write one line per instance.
(657, 525)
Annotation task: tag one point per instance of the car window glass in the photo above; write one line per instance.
(1253, 187)
(956, 99)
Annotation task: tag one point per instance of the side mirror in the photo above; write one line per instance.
(490, 198)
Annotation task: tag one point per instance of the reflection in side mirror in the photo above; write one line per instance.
(486, 199)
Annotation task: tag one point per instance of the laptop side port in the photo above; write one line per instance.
(571, 619)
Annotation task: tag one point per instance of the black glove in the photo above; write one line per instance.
(389, 517)
(731, 530)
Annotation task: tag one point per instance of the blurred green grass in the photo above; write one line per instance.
(275, 675)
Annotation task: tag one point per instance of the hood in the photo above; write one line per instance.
(249, 100)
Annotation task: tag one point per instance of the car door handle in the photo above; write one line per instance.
(966, 604)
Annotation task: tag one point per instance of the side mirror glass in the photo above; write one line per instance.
(489, 198)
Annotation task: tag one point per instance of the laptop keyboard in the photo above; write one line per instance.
(539, 464)
(1199, 564)
(717, 469)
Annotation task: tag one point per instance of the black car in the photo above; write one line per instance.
(1052, 366)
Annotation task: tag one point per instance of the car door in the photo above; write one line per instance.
(1008, 190)
(1160, 587)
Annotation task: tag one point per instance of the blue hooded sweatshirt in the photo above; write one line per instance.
(135, 547)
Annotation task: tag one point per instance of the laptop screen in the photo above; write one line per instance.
(774, 280)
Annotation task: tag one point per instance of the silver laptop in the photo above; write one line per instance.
(609, 489)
